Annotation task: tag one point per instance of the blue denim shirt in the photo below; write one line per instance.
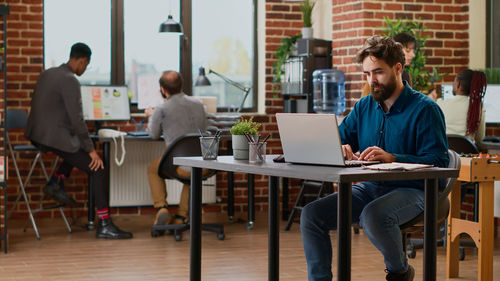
(413, 130)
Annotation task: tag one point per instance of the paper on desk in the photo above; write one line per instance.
(397, 166)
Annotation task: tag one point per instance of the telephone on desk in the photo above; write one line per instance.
(110, 133)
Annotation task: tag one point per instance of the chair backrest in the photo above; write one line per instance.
(187, 145)
(15, 119)
(443, 202)
(461, 144)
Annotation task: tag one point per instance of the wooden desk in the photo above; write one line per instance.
(344, 176)
(485, 172)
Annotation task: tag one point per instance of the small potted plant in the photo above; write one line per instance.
(306, 8)
(239, 140)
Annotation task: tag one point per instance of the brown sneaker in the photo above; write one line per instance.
(178, 219)
(161, 218)
(406, 276)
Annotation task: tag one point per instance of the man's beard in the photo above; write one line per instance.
(383, 92)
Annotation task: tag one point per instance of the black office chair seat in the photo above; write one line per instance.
(416, 225)
(188, 145)
(25, 147)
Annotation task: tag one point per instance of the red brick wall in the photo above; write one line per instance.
(446, 20)
(353, 21)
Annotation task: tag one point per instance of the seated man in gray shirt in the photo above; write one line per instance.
(179, 115)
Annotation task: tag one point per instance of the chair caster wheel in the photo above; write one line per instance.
(157, 233)
(178, 237)
(90, 225)
(221, 236)
(250, 225)
(461, 255)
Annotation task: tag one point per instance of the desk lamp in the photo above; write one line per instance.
(202, 80)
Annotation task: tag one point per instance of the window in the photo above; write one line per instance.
(90, 25)
(223, 41)
(128, 49)
(493, 39)
(147, 52)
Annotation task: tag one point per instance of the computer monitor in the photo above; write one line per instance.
(491, 103)
(491, 100)
(105, 103)
(446, 91)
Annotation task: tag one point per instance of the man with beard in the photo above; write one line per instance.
(393, 124)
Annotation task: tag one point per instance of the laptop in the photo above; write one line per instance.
(313, 139)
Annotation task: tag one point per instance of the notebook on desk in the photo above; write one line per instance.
(312, 139)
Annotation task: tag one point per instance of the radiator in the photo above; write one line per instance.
(129, 182)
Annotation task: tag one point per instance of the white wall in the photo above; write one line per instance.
(477, 34)
(322, 19)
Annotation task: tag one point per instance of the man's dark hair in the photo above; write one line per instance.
(171, 81)
(405, 39)
(80, 50)
(384, 48)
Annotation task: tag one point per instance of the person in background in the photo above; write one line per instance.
(393, 124)
(179, 115)
(56, 124)
(464, 113)
(409, 44)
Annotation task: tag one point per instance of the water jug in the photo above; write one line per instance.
(329, 91)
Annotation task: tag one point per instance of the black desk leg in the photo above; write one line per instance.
(430, 229)
(195, 224)
(344, 217)
(284, 209)
(251, 201)
(230, 196)
(273, 221)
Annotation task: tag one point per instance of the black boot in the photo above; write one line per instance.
(55, 190)
(106, 229)
(405, 276)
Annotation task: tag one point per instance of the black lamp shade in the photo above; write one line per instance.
(170, 25)
(202, 79)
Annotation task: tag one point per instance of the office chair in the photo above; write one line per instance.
(17, 119)
(309, 191)
(416, 225)
(461, 144)
(188, 145)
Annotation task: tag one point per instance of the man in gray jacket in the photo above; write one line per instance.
(179, 115)
(56, 124)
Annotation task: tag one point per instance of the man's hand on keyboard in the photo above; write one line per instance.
(375, 153)
(348, 154)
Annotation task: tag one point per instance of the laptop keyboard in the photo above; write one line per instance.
(359, 163)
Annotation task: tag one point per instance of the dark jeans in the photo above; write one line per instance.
(378, 209)
(81, 160)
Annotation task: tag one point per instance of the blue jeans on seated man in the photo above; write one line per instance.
(378, 209)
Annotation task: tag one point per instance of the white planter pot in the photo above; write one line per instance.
(240, 147)
(307, 32)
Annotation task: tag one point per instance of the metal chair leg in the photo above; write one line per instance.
(22, 187)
